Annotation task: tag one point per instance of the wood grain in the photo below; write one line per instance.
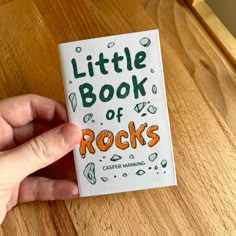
(211, 70)
(2, 2)
(45, 219)
(200, 83)
(194, 2)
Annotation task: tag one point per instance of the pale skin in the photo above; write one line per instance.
(34, 135)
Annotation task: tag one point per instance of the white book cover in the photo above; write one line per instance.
(115, 91)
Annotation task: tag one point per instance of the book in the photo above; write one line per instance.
(115, 90)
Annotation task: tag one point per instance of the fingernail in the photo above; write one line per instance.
(71, 134)
(75, 191)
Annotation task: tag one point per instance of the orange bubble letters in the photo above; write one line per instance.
(136, 134)
(119, 143)
(86, 142)
(122, 140)
(103, 144)
(155, 137)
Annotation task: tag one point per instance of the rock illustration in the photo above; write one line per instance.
(73, 101)
(152, 109)
(88, 117)
(152, 156)
(115, 157)
(89, 173)
(145, 41)
(139, 107)
(140, 172)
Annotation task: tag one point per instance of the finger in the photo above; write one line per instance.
(18, 111)
(25, 133)
(67, 162)
(44, 189)
(61, 169)
(38, 153)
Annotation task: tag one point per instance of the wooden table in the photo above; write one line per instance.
(201, 91)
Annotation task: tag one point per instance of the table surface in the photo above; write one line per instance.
(201, 92)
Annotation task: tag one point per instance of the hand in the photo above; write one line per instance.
(33, 135)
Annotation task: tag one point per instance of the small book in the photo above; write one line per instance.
(115, 90)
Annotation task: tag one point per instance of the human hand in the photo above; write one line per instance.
(33, 135)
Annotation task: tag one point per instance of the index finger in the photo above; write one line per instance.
(20, 110)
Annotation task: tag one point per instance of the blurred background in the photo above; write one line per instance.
(225, 10)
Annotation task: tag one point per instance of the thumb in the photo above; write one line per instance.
(39, 152)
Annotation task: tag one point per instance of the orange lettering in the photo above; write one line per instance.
(87, 142)
(104, 146)
(155, 137)
(136, 134)
(119, 143)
